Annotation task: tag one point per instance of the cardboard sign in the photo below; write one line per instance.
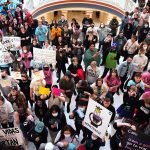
(11, 43)
(43, 90)
(16, 74)
(97, 118)
(10, 137)
(134, 140)
(38, 75)
(5, 58)
(56, 91)
(44, 56)
(5, 83)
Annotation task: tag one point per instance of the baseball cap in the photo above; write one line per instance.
(39, 127)
(14, 87)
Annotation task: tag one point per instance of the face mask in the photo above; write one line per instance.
(93, 137)
(67, 135)
(146, 25)
(25, 51)
(55, 114)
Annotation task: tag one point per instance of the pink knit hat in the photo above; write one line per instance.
(146, 95)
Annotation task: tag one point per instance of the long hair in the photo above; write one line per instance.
(66, 128)
(110, 74)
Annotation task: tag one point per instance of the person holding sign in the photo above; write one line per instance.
(121, 129)
(57, 98)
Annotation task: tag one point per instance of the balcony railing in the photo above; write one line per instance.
(126, 5)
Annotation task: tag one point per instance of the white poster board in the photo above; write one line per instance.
(38, 75)
(97, 118)
(11, 43)
(16, 74)
(11, 137)
(44, 56)
(5, 58)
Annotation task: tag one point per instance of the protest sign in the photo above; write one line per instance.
(11, 43)
(5, 58)
(5, 83)
(10, 137)
(97, 118)
(56, 91)
(44, 56)
(134, 140)
(16, 74)
(38, 75)
(43, 90)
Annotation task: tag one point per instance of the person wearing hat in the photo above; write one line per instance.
(107, 103)
(142, 111)
(6, 113)
(68, 86)
(110, 59)
(16, 97)
(113, 24)
(38, 134)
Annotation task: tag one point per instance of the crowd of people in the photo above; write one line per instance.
(123, 51)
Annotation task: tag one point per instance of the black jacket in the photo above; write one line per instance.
(59, 121)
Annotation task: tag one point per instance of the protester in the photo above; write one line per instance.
(99, 61)
(6, 113)
(55, 120)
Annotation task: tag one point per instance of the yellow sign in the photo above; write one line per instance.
(43, 90)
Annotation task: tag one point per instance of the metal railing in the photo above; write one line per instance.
(126, 5)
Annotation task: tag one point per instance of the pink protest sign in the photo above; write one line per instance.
(56, 91)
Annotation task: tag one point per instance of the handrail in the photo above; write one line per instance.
(126, 5)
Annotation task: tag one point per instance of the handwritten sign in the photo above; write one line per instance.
(16, 74)
(134, 140)
(97, 118)
(5, 58)
(44, 56)
(43, 90)
(11, 43)
(56, 91)
(38, 75)
(10, 137)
